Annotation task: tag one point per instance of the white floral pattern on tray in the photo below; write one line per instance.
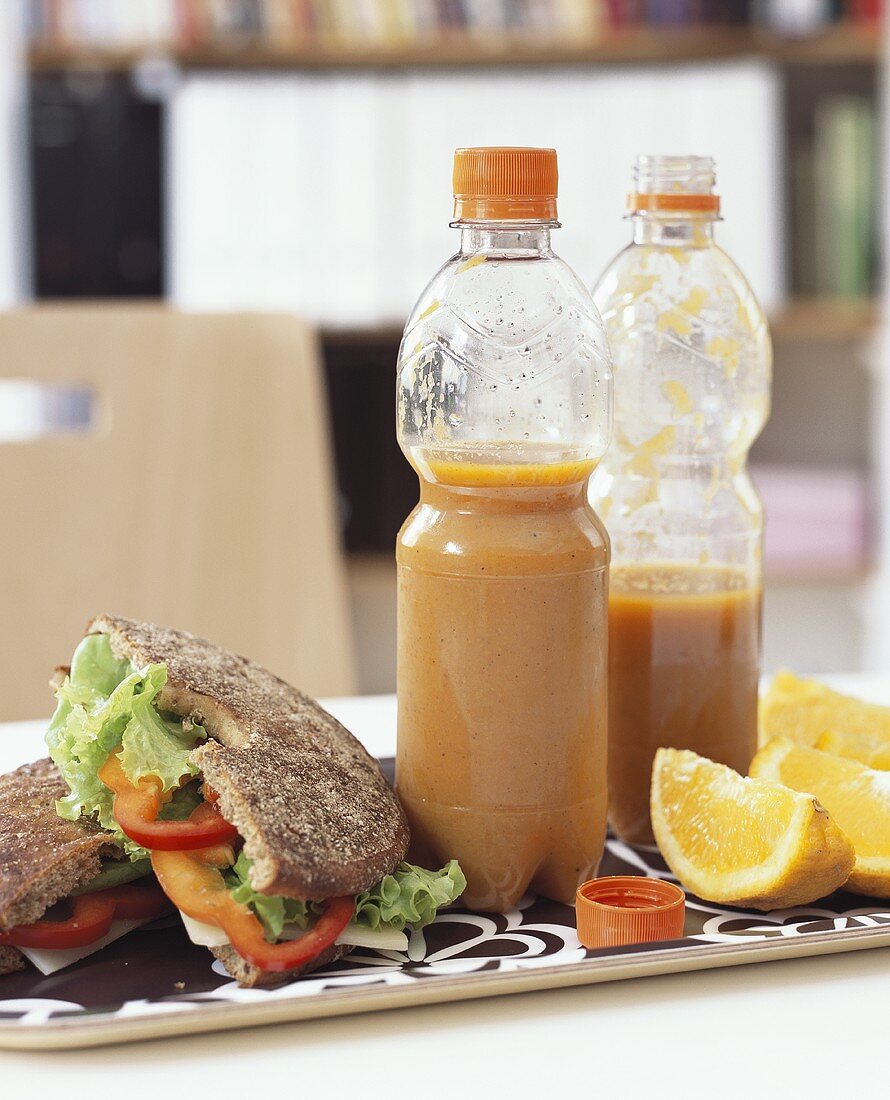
(158, 972)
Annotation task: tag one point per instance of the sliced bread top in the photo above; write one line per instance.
(318, 818)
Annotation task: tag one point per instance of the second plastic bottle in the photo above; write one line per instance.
(692, 377)
(504, 391)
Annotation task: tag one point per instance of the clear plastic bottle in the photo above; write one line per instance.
(692, 361)
(504, 407)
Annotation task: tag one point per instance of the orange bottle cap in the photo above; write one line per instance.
(623, 909)
(510, 184)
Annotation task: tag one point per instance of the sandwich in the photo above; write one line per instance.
(184, 776)
(45, 858)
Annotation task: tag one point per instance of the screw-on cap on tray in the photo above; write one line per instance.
(623, 909)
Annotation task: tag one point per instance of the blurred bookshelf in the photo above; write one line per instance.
(348, 32)
(829, 54)
(825, 56)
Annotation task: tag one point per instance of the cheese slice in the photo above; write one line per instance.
(380, 939)
(353, 935)
(49, 961)
(204, 935)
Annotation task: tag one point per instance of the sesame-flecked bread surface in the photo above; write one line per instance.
(10, 960)
(43, 857)
(318, 817)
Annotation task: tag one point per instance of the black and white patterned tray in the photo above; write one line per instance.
(155, 982)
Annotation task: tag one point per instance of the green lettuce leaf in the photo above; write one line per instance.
(410, 896)
(115, 872)
(273, 912)
(153, 746)
(105, 703)
(95, 669)
(185, 799)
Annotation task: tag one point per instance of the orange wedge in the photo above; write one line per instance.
(864, 747)
(856, 796)
(804, 709)
(741, 841)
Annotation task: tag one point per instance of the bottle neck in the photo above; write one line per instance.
(677, 232)
(504, 499)
(524, 239)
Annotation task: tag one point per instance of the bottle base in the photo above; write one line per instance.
(507, 853)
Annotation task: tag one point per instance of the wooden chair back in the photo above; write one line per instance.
(202, 496)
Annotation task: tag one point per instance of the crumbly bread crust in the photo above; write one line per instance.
(10, 960)
(318, 818)
(247, 975)
(42, 856)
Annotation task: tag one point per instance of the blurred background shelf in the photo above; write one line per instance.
(806, 319)
(842, 44)
(832, 319)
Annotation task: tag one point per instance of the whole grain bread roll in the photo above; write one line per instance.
(43, 857)
(318, 817)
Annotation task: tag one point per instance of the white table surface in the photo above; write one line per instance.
(782, 1029)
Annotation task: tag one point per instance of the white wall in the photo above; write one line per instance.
(330, 194)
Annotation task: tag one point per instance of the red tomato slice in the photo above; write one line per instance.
(198, 889)
(90, 920)
(138, 902)
(136, 807)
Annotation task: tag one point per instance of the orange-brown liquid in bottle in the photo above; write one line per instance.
(502, 676)
(684, 645)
